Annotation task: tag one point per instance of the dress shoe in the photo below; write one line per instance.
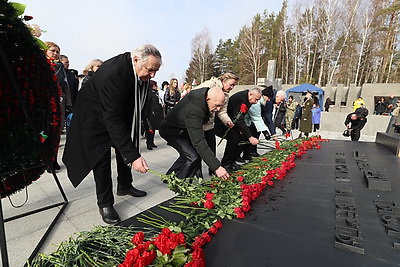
(235, 166)
(109, 215)
(131, 191)
(153, 145)
(241, 160)
(149, 147)
(56, 166)
(247, 157)
(254, 154)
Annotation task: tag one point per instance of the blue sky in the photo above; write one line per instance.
(102, 28)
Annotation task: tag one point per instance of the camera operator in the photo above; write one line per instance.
(354, 122)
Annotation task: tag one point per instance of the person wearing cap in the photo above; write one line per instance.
(272, 101)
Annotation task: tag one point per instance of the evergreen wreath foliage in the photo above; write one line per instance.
(30, 112)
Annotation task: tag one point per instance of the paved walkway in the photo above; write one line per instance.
(82, 214)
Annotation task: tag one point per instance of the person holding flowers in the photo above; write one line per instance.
(182, 128)
(107, 114)
(238, 105)
(227, 81)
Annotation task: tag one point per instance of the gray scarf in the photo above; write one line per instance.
(140, 92)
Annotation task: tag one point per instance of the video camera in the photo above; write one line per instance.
(346, 133)
(396, 127)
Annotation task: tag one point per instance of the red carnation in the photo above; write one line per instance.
(138, 238)
(243, 108)
(209, 204)
(27, 17)
(218, 224)
(209, 196)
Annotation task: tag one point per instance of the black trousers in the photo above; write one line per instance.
(150, 137)
(232, 148)
(103, 178)
(249, 148)
(188, 165)
(355, 134)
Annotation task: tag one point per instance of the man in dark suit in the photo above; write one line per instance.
(183, 130)
(107, 114)
(238, 105)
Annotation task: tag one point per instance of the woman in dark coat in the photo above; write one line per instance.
(306, 118)
(172, 95)
(153, 114)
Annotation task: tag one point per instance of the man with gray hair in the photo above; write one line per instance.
(238, 105)
(108, 114)
(268, 110)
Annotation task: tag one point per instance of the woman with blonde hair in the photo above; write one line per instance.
(172, 95)
(91, 68)
(187, 87)
(227, 81)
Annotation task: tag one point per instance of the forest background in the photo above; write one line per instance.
(332, 42)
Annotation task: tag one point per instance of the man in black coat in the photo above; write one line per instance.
(72, 78)
(183, 130)
(238, 105)
(107, 114)
(354, 123)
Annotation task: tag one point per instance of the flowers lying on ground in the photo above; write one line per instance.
(201, 205)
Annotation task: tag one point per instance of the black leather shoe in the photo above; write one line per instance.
(241, 160)
(149, 147)
(153, 145)
(235, 166)
(254, 154)
(247, 157)
(109, 215)
(131, 191)
(56, 166)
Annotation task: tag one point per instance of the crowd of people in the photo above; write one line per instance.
(117, 102)
(388, 106)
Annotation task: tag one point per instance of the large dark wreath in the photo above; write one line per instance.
(29, 105)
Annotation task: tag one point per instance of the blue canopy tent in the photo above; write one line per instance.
(303, 88)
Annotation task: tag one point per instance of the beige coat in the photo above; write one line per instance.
(222, 113)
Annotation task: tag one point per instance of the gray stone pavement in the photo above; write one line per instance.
(81, 213)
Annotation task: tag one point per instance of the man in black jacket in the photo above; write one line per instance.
(238, 105)
(107, 114)
(354, 123)
(183, 130)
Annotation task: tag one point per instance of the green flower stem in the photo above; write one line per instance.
(156, 173)
(174, 211)
(223, 137)
(154, 221)
(188, 207)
